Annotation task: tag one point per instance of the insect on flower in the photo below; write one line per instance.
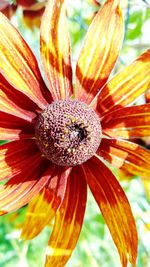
(61, 134)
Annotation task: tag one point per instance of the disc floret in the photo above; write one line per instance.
(68, 132)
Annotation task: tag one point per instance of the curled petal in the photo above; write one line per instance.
(128, 122)
(19, 66)
(14, 128)
(100, 51)
(20, 189)
(55, 49)
(115, 209)
(15, 156)
(126, 155)
(125, 87)
(68, 222)
(43, 207)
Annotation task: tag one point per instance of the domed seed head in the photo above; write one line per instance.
(68, 132)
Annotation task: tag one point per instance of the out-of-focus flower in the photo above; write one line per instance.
(31, 10)
(26, 3)
(7, 9)
(60, 135)
(32, 18)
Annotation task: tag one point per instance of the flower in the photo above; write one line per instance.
(32, 11)
(61, 134)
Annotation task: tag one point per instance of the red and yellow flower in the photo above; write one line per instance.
(61, 134)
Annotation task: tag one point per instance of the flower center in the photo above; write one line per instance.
(68, 132)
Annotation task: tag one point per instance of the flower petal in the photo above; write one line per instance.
(126, 156)
(43, 207)
(26, 3)
(55, 49)
(14, 157)
(115, 209)
(126, 86)
(14, 102)
(13, 128)
(100, 51)
(19, 190)
(32, 18)
(147, 96)
(68, 223)
(19, 66)
(146, 184)
(127, 122)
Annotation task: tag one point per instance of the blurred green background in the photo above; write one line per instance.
(95, 247)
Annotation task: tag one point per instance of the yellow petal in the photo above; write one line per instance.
(115, 209)
(126, 156)
(55, 49)
(19, 66)
(128, 122)
(68, 223)
(43, 207)
(100, 51)
(125, 87)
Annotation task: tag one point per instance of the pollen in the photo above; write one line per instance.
(68, 132)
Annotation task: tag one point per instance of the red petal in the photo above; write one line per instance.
(19, 190)
(55, 49)
(26, 3)
(126, 156)
(147, 96)
(19, 66)
(13, 128)
(68, 221)
(128, 122)
(43, 207)
(14, 157)
(100, 51)
(115, 208)
(126, 86)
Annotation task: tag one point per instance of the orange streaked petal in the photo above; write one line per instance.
(126, 155)
(19, 66)
(14, 128)
(55, 49)
(43, 207)
(126, 86)
(115, 209)
(20, 189)
(100, 51)
(68, 223)
(128, 122)
(15, 156)
(14, 102)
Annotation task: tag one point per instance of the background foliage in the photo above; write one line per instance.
(95, 247)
